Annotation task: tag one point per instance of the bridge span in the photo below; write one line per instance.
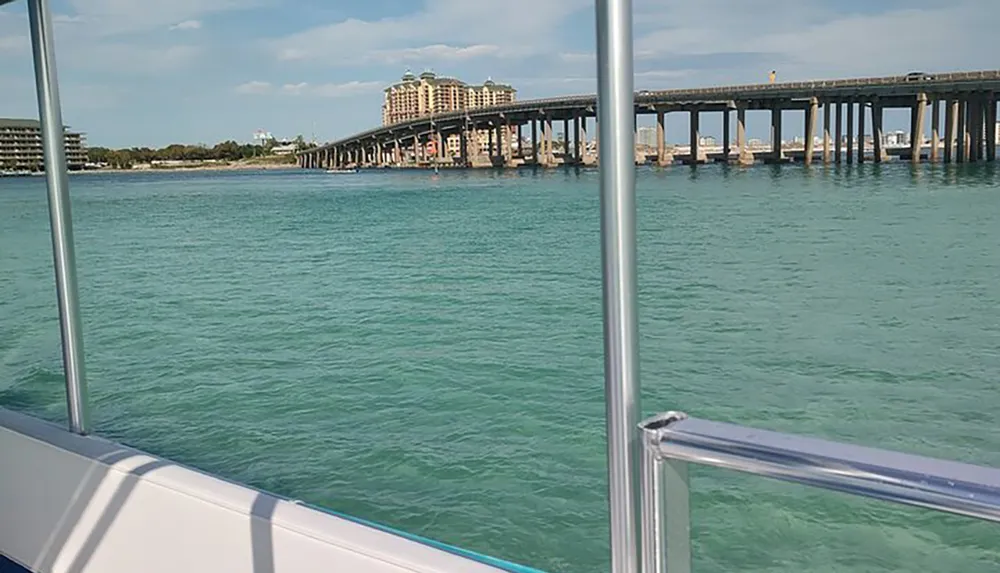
(494, 136)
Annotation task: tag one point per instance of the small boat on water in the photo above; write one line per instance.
(341, 171)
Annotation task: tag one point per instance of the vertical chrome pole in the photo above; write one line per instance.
(53, 142)
(615, 109)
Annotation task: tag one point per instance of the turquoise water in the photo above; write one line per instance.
(425, 351)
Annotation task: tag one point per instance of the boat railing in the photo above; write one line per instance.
(672, 440)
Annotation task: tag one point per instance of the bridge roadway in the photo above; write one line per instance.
(486, 136)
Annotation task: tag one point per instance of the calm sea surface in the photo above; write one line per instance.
(426, 351)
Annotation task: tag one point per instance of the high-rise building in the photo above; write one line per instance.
(21, 146)
(646, 136)
(414, 96)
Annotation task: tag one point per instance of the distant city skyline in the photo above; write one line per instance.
(135, 73)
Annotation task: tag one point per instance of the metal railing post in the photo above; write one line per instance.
(666, 510)
(53, 143)
(615, 108)
(652, 512)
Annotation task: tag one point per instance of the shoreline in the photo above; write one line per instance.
(199, 168)
(172, 169)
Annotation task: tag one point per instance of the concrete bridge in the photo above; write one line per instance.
(493, 136)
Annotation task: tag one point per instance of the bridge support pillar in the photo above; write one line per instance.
(963, 133)
(862, 111)
(971, 121)
(565, 142)
(810, 130)
(577, 149)
(508, 144)
(838, 133)
(534, 142)
(498, 137)
(726, 128)
(935, 129)
(950, 128)
(826, 133)
(695, 146)
(917, 129)
(520, 141)
(547, 142)
(597, 138)
(661, 144)
(991, 127)
(877, 132)
(776, 152)
(978, 130)
(850, 132)
(584, 153)
(746, 156)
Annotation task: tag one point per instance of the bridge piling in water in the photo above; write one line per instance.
(962, 136)
(695, 147)
(826, 133)
(862, 110)
(991, 127)
(810, 129)
(935, 129)
(725, 135)
(838, 133)
(878, 116)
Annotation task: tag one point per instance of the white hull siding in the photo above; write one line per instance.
(73, 504)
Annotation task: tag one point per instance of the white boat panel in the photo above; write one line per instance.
(73, 504)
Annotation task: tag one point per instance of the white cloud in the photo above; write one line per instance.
(445, 28)
(294, 89)
(327, 90)
(67, 19)
(111, 17)
(814, 38)
(254, 87)
(347, 89)
(435, 52)
(187, 25)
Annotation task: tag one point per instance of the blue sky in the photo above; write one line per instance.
(142, 72)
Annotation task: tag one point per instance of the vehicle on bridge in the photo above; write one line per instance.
(918, 77)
